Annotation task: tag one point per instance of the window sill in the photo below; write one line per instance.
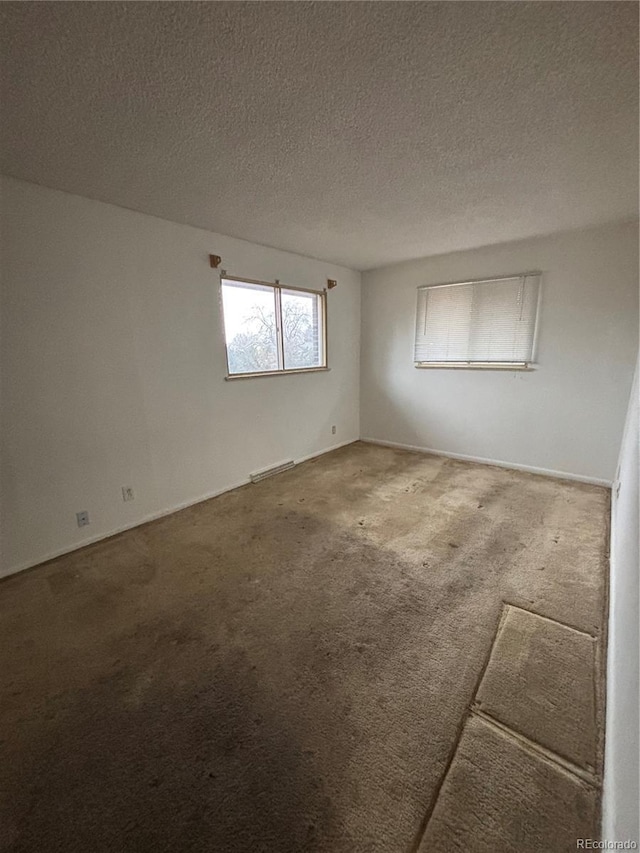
(479, 365)
(233, 376)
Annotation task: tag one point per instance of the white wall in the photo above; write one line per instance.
(113, 363)
(567, 416)
(621, 790)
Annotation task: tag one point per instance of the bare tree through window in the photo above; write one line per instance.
(268, 331)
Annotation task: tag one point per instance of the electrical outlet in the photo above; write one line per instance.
(333, 430)
(127, 493)
(82, 518)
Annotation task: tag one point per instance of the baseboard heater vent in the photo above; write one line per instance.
(269, 472)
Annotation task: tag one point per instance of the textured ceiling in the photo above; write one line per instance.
(363, 133)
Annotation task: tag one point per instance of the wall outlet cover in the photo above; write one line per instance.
(82, 518)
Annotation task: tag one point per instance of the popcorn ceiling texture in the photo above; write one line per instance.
(361, 133)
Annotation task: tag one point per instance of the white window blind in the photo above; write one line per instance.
(488, 322)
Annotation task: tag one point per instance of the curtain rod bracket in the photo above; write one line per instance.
(215, 261)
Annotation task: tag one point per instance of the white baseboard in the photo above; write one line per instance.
(531, 469)
(114, 531)
(44, 558)
(327, 450)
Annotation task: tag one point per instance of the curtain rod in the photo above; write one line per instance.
(224, 276)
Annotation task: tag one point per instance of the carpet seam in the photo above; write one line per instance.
(557, 758)
(592, 779)
(475, 708)
(417, 840)
(551, 619)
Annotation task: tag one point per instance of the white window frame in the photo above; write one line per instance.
(277, 287)
(486, 365)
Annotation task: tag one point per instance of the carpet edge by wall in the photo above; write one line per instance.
(154, 516)
(620, 789)
(515, 466)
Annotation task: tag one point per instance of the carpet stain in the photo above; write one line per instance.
(282, 668)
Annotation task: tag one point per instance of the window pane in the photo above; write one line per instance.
(301, 327)
(250, 327)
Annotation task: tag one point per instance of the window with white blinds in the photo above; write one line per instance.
(490, 322)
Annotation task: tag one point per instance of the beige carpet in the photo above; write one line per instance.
(501, 795)
(289, 667)
(540, 681)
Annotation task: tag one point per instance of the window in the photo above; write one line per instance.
(273, 329)
(488, 323)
